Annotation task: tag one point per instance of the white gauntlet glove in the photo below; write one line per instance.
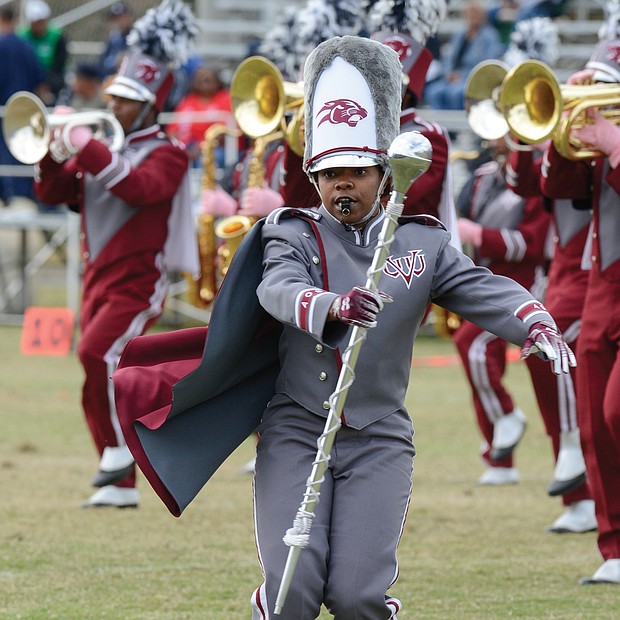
(546, 341)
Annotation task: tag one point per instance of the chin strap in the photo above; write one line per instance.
(139, 122)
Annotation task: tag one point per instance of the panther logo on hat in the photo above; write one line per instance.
(344, 111)
(613, 52)
(400, 45)
(147, 71)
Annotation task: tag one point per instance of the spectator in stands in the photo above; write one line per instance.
(49, 44)
(540, 8)
(210, 96)
(19, 70)
(477, 41)
(120, 21)
(84, 91)
(502, 16)
(506, 13)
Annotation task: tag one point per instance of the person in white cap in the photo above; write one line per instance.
(49, 43)
(595, 182)
(136, 223)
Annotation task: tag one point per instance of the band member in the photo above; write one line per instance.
(564, 297)
(596, 181)
(136, 225)
(405, 26)
(507, 235)
(280, 367)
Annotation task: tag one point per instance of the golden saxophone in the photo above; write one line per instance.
(233, 229)
(202, 291)
(445, 322)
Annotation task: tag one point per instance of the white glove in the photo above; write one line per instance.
(217, 202)
(63, 144)
(259, 201)
(546, 341)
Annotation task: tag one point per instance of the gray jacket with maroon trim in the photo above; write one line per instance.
(308, 262)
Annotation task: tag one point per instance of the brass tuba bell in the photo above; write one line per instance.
(482, 92)
(28, 127)
(260, 97)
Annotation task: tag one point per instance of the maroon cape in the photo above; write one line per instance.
(187, 399)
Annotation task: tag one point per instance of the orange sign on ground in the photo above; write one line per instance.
(47, 331)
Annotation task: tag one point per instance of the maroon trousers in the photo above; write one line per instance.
(484, 360)
(109, 318)
(598, 375)
(557, 394)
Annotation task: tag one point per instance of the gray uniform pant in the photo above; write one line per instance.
(351, 560)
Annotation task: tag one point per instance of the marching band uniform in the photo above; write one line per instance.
(309, 259)
(402, 29)
(511, 240)
(598, 180)
(136, 225)
(598, 402)
(564, 297)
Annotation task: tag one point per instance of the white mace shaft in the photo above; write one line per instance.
(410, 156)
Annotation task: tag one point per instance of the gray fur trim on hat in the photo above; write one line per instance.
(380, 66)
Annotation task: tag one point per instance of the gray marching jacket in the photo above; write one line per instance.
(305, 269)
(187, 399)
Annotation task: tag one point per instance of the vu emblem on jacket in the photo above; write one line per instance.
(406, 267)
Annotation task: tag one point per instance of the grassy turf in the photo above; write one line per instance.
(467, 552)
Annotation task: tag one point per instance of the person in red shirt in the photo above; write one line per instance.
(208, 95)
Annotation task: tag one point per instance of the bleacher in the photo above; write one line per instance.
(229, 27)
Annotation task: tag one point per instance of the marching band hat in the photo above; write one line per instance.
(536, 38)
(605, 61)
(142, 78)
(352, 92)
(606, 56)
(414, 57)
(406, 26)
(158, 42)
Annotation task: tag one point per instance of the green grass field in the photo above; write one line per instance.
(467, 552)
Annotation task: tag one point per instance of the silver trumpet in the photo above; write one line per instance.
(409, 156)
(29, 128)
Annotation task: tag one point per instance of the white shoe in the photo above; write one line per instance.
(570, 468)
(115, 465)
(498, 476)
(507, 433)
(117, 497)
(608, 572)
(577, 519)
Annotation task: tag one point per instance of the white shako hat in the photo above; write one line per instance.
(352, 96)
(406, 26)
(605, 59)
(158, 43)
